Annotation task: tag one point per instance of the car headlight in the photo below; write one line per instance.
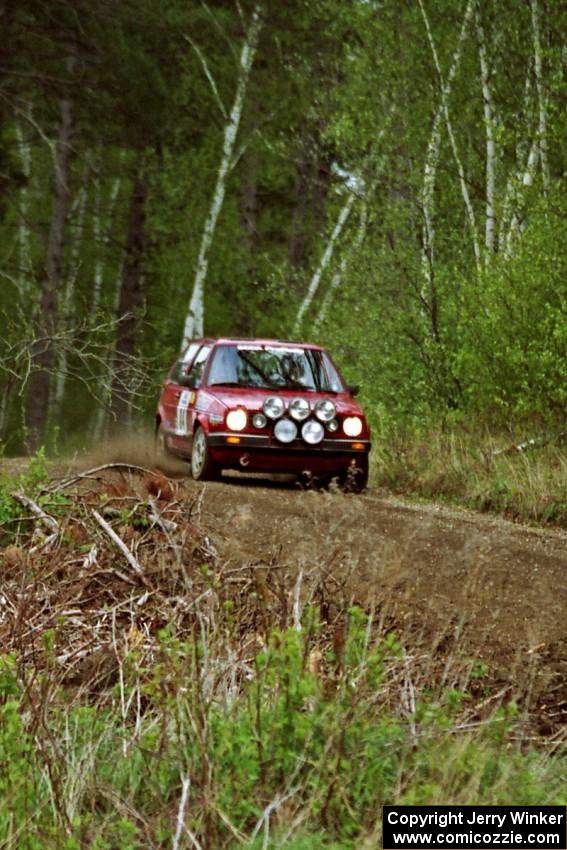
(352, 426)
(313, 432)
(285, 431)
(333, 425)
(259, 420)
(273, 407)
(299, 409)
(325, 410)
(236, 420)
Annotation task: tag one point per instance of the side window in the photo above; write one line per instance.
(181, 367)
(196, 371)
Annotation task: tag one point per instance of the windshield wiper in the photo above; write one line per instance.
(258, 371)
(228, 384)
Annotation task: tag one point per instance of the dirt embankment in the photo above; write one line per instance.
(479, 602)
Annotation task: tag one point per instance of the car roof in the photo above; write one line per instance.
(258, 341)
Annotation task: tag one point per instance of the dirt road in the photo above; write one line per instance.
(456, 584)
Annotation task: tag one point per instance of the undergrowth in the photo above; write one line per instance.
(300, 750)
(29, 483)
(522, 479)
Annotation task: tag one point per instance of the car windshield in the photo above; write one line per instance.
(273, 367)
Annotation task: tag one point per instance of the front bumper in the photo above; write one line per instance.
(263, 453)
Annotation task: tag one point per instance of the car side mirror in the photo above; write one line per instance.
(186, 381)
(353, 389)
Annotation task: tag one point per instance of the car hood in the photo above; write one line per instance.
(253, 399)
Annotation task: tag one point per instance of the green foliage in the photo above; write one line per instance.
(513, 356)
(330, 744)
(482, 469)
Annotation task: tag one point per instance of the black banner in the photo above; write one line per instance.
(478, 827)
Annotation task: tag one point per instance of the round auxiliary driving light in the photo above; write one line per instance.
(333, 425)
(299, 409)
(313, 432)
(236, 420)
(325, 410)
(259, 420)
(352, 426)
(273, 407)
(285, 431)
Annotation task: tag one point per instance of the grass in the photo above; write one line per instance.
(291, 757)
(477, 470)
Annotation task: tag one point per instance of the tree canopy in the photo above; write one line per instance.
(384, 178)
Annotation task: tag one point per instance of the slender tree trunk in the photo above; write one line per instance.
(130, 300)
(516, 223)
(325, 260)
(42, 353)
(337, 278)
(194, 319)
(542, 100)
(102, 412)
(453, 142)
(297, 241)
(432, 156)
(320, 193)
(249, 207)
(488, 109)
(64, 309)
(516, 178)
(100, 238)
(25, 271)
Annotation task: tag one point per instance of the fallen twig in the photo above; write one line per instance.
(47, 520)
(120, 544)
(89, 472)
(533, 443)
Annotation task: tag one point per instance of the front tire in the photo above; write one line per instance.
(203, 468)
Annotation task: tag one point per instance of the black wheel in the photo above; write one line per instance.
(203, 468)
(355, 477)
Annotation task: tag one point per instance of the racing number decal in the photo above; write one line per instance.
(186, 398)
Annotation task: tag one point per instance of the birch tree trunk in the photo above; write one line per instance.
(523, 153)
(488, 110)
(325, 260)
(516, 223)
(42, 351)
(453, 142)
(542, 100)
(337, 278)
(433, 152)
(194, 319)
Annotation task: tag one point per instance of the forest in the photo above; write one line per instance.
(385, 178)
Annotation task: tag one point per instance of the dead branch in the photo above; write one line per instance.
(533, 443)
(67, 482)
(120, 544)
(48, 521)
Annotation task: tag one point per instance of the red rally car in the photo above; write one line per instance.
(263, 405)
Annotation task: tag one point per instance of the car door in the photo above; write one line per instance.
(184, 399)
(173, 388)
